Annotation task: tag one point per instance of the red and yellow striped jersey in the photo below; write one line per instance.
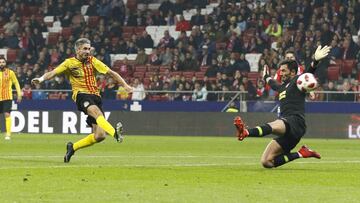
(82, 75)
(7, 80)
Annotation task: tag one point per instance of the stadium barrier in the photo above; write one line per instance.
(177, 123)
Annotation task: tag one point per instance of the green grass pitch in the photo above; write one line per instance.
(174, 169)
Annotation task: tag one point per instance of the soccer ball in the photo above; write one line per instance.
(306, 82)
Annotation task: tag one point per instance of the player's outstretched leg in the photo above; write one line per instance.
(258, 131)
(305, 152)
(119, 137)
(69, 152)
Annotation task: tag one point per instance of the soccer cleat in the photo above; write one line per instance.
(241, 131)
(69, 152)
(305, 152)
(119, 137)
(7, 137)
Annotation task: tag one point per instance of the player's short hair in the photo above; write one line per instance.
(291, 64)
(80, 42)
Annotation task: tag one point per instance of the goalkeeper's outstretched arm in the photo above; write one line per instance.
(267, 78)
(320, 53)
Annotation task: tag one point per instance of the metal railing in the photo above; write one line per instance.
(326, 96)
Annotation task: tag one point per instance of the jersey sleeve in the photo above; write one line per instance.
(15, 82)
(99, 66)
(62, 67)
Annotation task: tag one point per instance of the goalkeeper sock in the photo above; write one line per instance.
(285, 158)
(260, 131)
(8, 125)
(105, 125)
(85, 142)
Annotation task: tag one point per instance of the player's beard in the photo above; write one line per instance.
(2, 68)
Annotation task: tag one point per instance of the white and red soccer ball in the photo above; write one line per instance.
(306, 82)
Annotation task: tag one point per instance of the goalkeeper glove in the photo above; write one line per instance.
(321, 52)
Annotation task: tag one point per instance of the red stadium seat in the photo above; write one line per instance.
(52, 38)
(253, 75)
(153, 68)
(164, 68)
(34, 10)
(128, 29)
(203, 68)
(139, 74)
(139, 30)
(200, 75)
(188, 74)
(11, 55)
(348, 66)
(333, 73)
(66, 32)
(174, 73)
(140, 68)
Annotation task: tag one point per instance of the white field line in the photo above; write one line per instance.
(171, 165)
(128, 156)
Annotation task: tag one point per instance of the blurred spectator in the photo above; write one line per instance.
(330, 96)
(141, 57)
(110, 89)
(38, 93)
(138, 93)
(347, 94)
(167, 40)
(145, 41)
(199, 93)
(274, 29)
(166, 57)
(26, 91)
(12, 26)
(189, 64)
(197, 19)
(205, 58)
(182, 24)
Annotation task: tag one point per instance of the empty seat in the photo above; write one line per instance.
(11, 55)
(66, 32)
(333, 73)
(52, 38)
(348, 66)
(140, 68)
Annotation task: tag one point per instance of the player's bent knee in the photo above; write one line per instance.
(100, 137)
(267, 164)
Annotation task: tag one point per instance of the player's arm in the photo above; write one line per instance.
(266, 76)
(49, 75)
(119, 80)
(17, 86)
(104, 69)
(320, 53)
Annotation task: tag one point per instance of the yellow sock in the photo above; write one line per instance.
(105, 125)
(8, 126)
(85, 142)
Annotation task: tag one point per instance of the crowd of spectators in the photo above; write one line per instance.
(216, 46)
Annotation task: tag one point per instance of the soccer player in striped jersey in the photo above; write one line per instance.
(81, 71)
(7, 80)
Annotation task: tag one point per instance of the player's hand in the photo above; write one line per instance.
(321, 52)
(35, 81)
(266, 72)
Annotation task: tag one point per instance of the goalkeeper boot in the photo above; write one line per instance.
(305, 152)
(241, 131)
(69, 152)
(119, 137)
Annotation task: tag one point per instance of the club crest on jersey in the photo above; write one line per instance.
(86, 104)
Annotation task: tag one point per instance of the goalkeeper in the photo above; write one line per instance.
(290, 127)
